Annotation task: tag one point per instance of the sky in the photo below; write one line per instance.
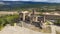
(56, 1)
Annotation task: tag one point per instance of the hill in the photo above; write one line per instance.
(16, 5)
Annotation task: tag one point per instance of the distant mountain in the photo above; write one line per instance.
(24, 2)
(12, 5)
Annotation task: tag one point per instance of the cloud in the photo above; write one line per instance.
(2, 3)
(57, 1)
(39, 0)
(24, 0)
(11, 0)
(16, 0)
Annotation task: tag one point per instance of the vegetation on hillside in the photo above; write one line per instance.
(8, 19)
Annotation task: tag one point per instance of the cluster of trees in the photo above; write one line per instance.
(8, 19)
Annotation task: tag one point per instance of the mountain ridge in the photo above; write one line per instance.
(30, 2)
(10, 5)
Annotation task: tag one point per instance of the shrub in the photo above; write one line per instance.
(48, 22)
(8, 19)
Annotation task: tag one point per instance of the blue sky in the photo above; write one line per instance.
(57, 1)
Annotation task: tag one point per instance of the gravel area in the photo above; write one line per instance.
(18, 30)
